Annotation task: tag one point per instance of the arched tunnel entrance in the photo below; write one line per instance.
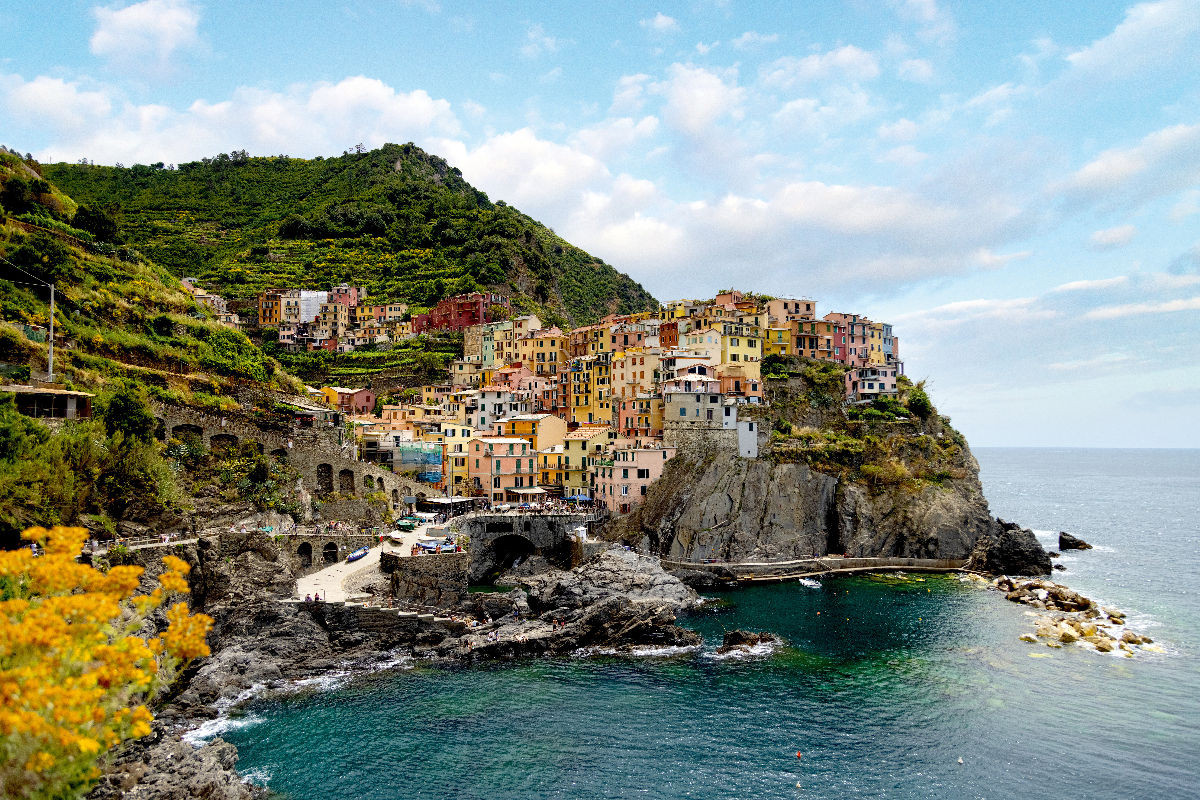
(330, 552)
(304, 551)
(504, 553)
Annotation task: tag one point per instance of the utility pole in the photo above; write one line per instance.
(50, 359)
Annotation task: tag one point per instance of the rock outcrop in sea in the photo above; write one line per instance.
(1068, 542)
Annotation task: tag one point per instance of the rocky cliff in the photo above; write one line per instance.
(880, 481)
(736, 509)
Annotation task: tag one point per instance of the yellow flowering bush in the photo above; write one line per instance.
(74, 677)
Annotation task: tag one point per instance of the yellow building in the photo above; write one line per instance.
(634, 372)
(777, 341)
(544, 352)
(591, 390)
(876, 355)
(580, 449)
(551, 475)
(742, 344)
(540, 430)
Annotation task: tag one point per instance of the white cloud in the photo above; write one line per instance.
(902, 130)
(697, 98)
(1091, 285)
(1112, 237)
(905, 155)
(538, 42)
(917, 70)
(936, 23)
(55, 101)
(536, 175)
(312, 119)
(1167, 281)
(753, 38)
(614, 136)
(842, 107)
(988, 259)
(1150, 33)
(152, 29)
(1138, 309)
(1163, 162)
(1188, 205)
(849, 63)
(660, 23)
(630, 94)
(1097, 362)
(704, 49)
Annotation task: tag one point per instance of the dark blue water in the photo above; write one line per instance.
(884, 685)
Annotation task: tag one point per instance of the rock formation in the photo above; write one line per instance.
(1009, 549)
(1068, 542)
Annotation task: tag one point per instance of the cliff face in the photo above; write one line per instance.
(736, 509)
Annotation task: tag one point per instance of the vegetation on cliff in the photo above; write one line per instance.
(887, 444)
(401, 222)
(75, 676)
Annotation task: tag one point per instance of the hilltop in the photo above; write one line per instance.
(398, 221)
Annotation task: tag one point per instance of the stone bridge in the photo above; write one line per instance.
(318, 454)
(498, 541)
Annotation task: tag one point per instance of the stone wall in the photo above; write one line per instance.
(433, 580)
(699, 439)
(315, 453)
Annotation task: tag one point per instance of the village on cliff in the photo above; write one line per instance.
(534, 413)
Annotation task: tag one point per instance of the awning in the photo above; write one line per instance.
(529, 490)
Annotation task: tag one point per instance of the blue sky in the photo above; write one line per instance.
(1015, 186)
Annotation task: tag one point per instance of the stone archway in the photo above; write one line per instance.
(346, 481)
(368, 484)
(379, 487)
(395, 497)
(226, 442)
(330, 552)
(304, 552)
(324, 478)
(179, 431)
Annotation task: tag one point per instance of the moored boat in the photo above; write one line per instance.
(357, 554)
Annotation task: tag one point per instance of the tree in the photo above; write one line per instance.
(75, 677)
(126, 411)
(99, 222)
(43, 255)
(919, 402)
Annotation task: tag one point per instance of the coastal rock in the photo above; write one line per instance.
(744, 640)
(614, 572)
(1007, 548)
(172, 769)
(718, 577)
(1068, 542)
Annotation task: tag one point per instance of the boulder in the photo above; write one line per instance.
(1009, 549)
(744, 640)
(1068, 542)
(614, 572)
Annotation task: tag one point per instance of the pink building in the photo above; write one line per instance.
(497, 466)
(855, 342)
(346, 295)
(621, 482)
(867, 383)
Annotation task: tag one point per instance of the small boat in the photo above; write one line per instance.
(357, 554)
(397, 537)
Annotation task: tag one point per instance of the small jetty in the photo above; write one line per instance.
(781, 571)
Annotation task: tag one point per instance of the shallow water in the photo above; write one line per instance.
(883, 685)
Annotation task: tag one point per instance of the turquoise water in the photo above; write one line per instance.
(883, 685)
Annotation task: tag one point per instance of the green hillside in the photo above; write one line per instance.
(398, 221)
(117, 314)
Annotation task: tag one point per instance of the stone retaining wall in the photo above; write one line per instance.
(433, 580)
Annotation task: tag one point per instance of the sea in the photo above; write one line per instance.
(884, 686)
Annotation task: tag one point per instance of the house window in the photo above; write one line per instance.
(643, 473)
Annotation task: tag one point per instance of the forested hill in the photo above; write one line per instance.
(398, 221)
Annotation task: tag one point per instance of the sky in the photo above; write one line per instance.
(1015, 186)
